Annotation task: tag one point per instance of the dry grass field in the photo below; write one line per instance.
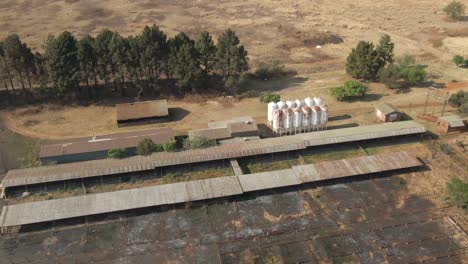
(285, 30)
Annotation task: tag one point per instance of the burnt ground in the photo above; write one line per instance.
(368, 221)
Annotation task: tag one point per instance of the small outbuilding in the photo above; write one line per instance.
(146, 112)
(452, 123)
(91, 148)
(387, 112)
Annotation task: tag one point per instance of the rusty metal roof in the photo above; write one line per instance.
(139, 110)
(105, 142)
(104, 167)
(107, 202)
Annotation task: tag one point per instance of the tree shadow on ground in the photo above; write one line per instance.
(274, 84)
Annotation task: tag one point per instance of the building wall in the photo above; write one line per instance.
(392, 117)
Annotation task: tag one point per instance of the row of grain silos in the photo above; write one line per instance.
(298, 116)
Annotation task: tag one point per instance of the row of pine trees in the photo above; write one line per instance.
(111, 59)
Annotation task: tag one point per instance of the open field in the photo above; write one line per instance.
(285, 30)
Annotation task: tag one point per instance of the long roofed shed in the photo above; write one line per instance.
(104, 167)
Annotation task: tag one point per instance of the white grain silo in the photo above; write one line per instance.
(277, 120)
(288, 119)
(297, 123)
(324, 121)
(306, 116)
(309, 102)
(282, 105)
(316, 117)
(291, 104)
(272, 107)
(299, 103)
(318, 101)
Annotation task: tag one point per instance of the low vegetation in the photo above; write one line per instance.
(198, 142)
(460, 101)
(350, 89)
(403, 74)
(455, 10)
(267, 98)
(457, 191)
(266, 71)
(117, 153)
(460, 61)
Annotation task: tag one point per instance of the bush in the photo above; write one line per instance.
(446, 149)
(455, 10)
(413, 74)
(458, 99)
(457, 191)
(169, 146)
(117, 153)
(267, 98)
(458, 60)
(198, 142)
(349, 89)
(146, 147)
(390, 76)
(267, 71)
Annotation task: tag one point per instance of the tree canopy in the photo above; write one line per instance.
(455, 10)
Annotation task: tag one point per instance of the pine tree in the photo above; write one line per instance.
(207, 52)
(231, 58)
(154, 49)
(385, 50)
(104, 57)
(62, 62)
(363, 62)
(88, 59)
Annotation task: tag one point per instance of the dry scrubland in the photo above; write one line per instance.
(284, 30)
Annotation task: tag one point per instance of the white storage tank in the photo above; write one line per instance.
(318, 101)
(324, 109)
(277, 120)
(309, 102)
(306, 116)
(316, 116)
(272, 107)
(288, 118)
(282, 105)
(297, 123)
(299, 103)
(291, 104)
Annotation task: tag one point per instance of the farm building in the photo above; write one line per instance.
(147, 112)
(387, 112)
(82, 149)
(452, 123)
(240, 127)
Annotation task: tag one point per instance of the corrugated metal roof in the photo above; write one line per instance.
(106, 142)
(243, 127)
(226, 151)
(139, 110)
(453, 120)
(92, 204)
(387, 108)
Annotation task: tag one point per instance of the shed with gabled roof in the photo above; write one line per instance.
(452, 123)
(387, 112)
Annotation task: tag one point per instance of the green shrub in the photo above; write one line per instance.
(455, 10)
(169, 146)
(349, 89)
(266, 71)
(458, 60)
(146, 147)
(446, 149)
(267, 98)
(459, 98)
(198, 142)
(457, 191)
(117, 153)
